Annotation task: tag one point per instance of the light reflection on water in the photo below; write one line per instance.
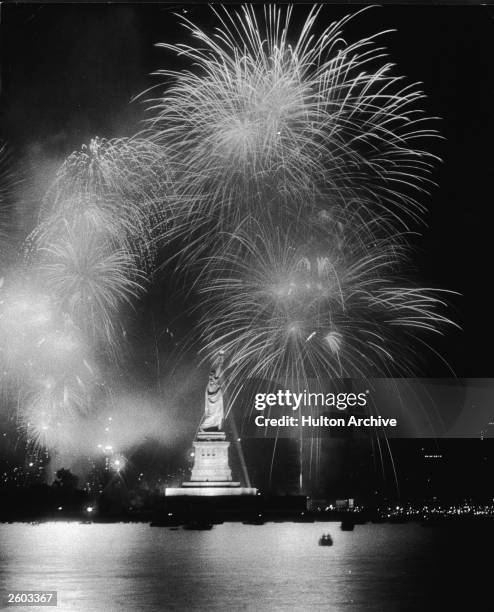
(133, 567)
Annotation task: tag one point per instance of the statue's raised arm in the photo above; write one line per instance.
(213, 400)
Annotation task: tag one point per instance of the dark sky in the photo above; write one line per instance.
(69, 72)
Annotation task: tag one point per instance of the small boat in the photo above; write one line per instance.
(347, 525)
(326, 540)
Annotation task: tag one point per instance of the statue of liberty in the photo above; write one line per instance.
(213, 400)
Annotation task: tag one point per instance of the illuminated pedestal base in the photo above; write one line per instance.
(211, 474)
(208, 491)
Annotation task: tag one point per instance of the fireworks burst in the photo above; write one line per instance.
(299, 159)
(88, 255)
(271, 121)
(95, 243)
(90, 281)
(68, 422)
(51, 416)
(111, 188)
(286, 167)
(295, 314)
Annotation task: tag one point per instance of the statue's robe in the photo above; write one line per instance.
(213, 401)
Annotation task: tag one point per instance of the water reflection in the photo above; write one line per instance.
(132, 567)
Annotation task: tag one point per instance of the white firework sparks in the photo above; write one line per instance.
(271, 121)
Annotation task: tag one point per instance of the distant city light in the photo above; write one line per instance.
(118, 463)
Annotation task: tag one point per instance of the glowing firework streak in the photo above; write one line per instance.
(111, 188)
(89, 253)
(263, 129)
(95, 239)
(317, 143)
(90, 281)
(290, 315)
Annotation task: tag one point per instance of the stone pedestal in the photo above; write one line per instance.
(211, 460)
(211, 473)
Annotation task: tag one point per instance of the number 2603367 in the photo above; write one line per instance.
(31, 598)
